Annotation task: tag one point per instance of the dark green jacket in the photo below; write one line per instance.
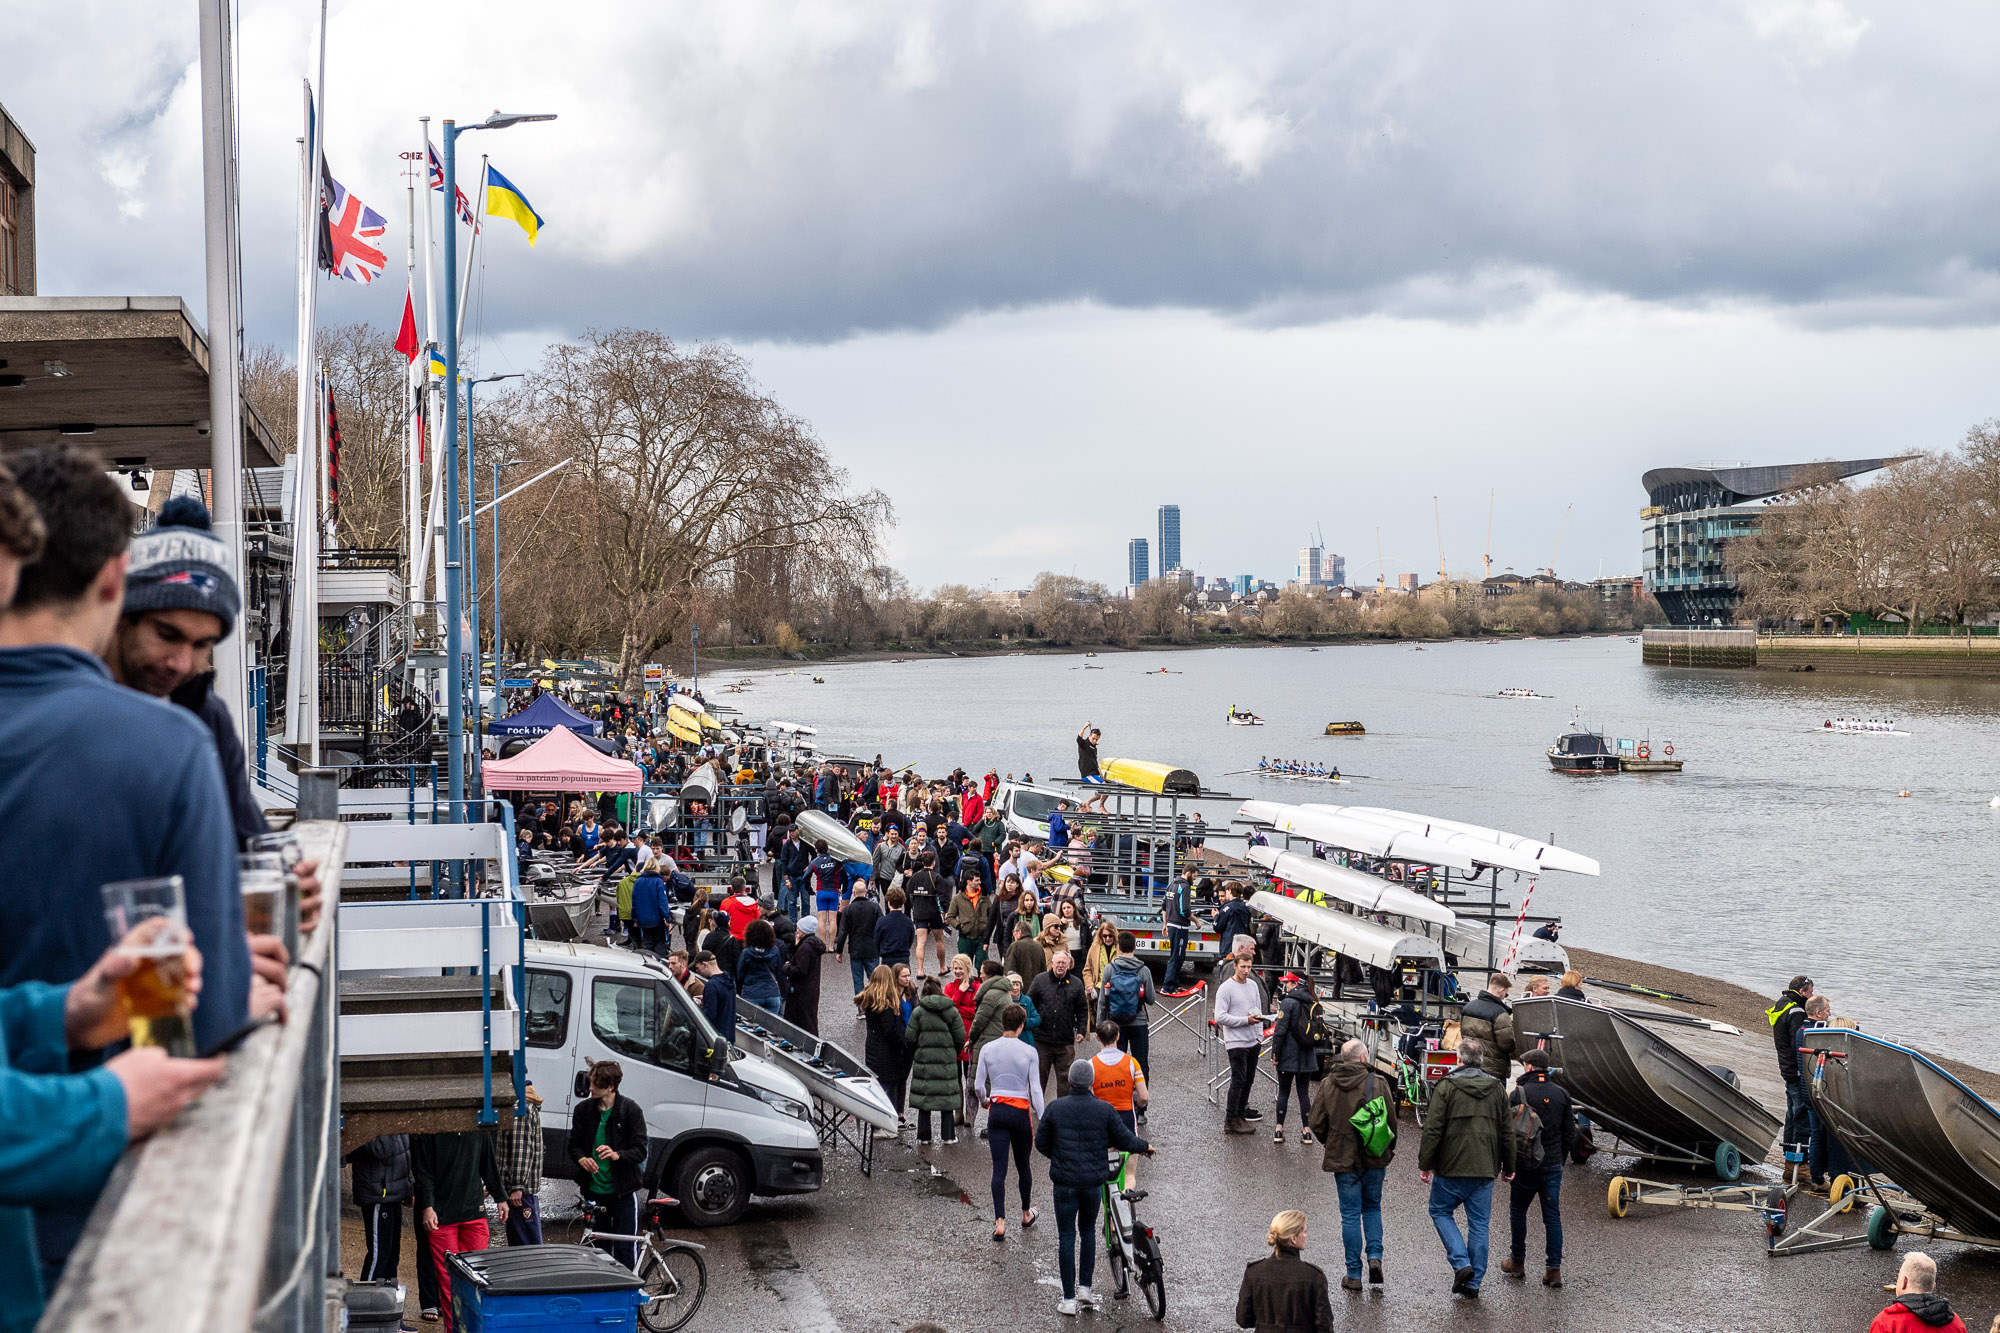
(1336, 1099)
(1467, 1130)
(995, 994)
(451, 1169)
(934, 1038)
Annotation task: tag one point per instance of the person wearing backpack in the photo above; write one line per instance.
(1126, 998)
(1355, 1118)
(1544, 1133)
(1295, 1054)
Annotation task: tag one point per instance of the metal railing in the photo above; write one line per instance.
(362, 557)
(266, 1141)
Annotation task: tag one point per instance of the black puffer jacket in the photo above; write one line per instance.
(1787, 1016)
(382, 1170)
(1062, 1004)
(1490, 1019)
(1290, 1047)
(1284, 1294)
(1076, 1134)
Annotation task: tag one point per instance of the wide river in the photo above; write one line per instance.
(1779, 850)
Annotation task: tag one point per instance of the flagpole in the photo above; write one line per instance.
(432, 409)
(454, 645)
(225, 389)
(478, 226)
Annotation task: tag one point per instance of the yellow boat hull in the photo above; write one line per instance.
(1147, 775)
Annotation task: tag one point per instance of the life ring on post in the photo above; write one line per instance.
(1670, 748)
(1645, 752)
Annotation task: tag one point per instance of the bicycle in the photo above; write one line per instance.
(1129, 1244)
(671, 1271)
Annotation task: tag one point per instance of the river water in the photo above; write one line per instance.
(1779, 850)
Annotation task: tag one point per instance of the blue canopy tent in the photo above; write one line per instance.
(543, 716)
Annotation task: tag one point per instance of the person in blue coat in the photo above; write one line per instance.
(61, 1133)
(718, 994)
(757, 968)
(1076, 1135)
(649, 909)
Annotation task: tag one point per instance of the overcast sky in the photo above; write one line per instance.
(1036, 268)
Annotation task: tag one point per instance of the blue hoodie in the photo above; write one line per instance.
(100, 784)
(649, 900)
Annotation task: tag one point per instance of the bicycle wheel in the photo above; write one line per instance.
(1153, 1279)
(675, 1281)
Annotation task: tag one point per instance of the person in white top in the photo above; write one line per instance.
(1239, 1012)
(1008, 1083)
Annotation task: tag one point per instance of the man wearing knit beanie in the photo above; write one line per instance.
(181, 600)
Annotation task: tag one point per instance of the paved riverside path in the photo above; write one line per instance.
(882, 1253)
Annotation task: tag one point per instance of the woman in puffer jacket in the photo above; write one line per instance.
(934, 1039)
(758, 966)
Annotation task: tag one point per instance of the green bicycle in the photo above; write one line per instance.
(1130, 1246)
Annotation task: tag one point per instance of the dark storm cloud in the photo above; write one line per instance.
(762, 171)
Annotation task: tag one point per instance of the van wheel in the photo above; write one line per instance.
(714, 1187)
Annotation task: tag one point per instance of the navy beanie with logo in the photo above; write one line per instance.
(179, 564)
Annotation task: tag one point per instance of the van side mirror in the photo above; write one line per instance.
(718, 1061)
(582, 1084)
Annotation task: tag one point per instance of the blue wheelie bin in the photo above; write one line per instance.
(537, 1287)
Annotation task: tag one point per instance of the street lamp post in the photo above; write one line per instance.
(472, 582)
(454, 560)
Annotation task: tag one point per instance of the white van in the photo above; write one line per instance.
(721, 1125)
(1025, 807)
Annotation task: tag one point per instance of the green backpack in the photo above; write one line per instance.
(1372, 1121)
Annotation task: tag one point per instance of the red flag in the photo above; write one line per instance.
(406, 336)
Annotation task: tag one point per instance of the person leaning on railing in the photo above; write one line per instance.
(61, 1133)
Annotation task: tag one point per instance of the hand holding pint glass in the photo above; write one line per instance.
(148, 918)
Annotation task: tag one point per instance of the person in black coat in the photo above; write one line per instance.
(881, 1006)
(802, 977)
(383, 1183)
(607, 1145)
(1551, 1103)
(1077, 1134)
(1284, 1293)
(854, 937)
(1294, 1053)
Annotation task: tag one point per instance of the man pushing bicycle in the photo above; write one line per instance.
(1077, 1135)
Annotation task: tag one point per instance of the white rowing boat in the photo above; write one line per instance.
(1349, 936)
(1331, 826)
(818, 825)
(1367, 892)
(1545, 856)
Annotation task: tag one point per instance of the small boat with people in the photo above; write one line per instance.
(1349, 728)
(1861, 726)
(1515, 693)
(1307, 770)
(1241, 717)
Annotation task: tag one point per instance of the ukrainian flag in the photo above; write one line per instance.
(437, 364)
(504, 200)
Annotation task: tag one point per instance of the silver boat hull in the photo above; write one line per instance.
(1619, 1070)
(1912, 1122)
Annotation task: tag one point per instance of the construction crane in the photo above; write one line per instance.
(1489, 534)
(1560, 532)
(1381, 570)
(1438, 514)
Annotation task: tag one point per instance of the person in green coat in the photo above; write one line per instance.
(934, 1037)
(995, 994)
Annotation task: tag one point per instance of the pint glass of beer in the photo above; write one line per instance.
(263, 878)
(148, 918)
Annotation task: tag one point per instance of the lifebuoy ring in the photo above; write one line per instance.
(1645, 752)
(1670, 747)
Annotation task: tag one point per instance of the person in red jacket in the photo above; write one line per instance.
(741, 907)
(1917, 1307)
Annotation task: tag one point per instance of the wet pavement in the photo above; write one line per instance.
(912, 1243)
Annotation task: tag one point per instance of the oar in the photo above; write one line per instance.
(1679, 1020)
(1647, 990)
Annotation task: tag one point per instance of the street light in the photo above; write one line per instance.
(472, 582)
(454, 567)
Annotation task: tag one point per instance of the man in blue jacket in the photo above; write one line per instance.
(101, 783)
(1077, 1134)
(794, 856)
(649, 909)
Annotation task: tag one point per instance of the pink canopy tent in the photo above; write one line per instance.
(560, 761)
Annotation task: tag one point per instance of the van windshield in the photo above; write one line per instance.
(1034, 805)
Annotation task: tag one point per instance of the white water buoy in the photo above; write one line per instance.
(1995, 803)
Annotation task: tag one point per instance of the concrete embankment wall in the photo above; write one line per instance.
(1881, 654)
(1869, 655)
(1699, 647)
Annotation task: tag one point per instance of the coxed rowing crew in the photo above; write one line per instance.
(1297, 767)
(1860, 724)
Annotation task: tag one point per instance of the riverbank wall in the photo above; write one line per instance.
(1866, 655)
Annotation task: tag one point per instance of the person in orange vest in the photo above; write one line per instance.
(1120, 1083)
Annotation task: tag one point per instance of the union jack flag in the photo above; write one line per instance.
(349, 233)
(437, 183)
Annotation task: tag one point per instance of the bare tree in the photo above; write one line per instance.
(1065, 609)
(685, 469)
